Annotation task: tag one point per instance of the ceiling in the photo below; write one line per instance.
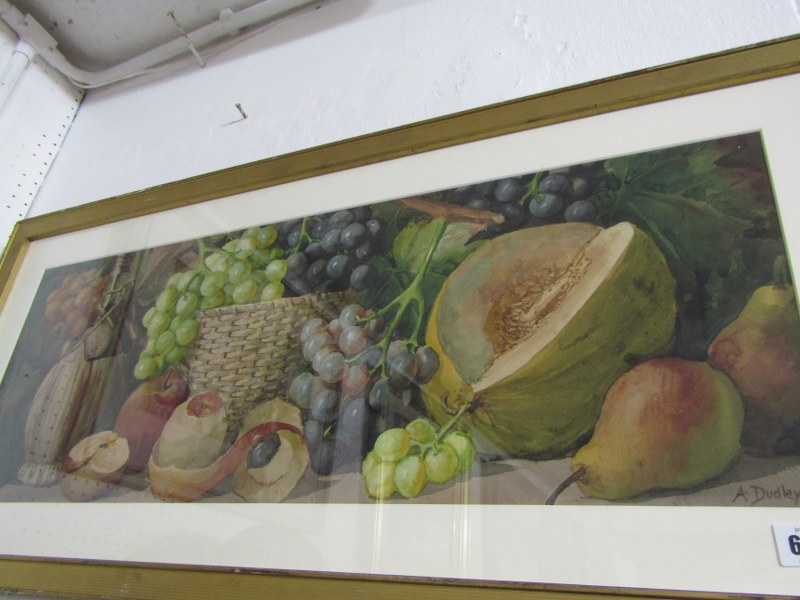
(97, 34)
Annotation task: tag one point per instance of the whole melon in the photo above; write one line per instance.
(534, 327)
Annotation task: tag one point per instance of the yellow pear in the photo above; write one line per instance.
(667, 423)
(760, 352)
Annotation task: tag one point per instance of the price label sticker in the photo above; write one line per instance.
(787, 539)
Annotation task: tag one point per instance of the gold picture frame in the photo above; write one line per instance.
(120, 579)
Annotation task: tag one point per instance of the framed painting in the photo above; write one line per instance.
(536, 349)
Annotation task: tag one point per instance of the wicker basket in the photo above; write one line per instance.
(249, 353)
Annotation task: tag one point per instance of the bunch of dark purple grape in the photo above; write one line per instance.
(331, 252)
(551, 196)
(359, 383)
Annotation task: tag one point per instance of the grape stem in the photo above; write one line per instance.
(452, 422)
(304, 234)
(204, 250)
(445, 429)
(411, 295)
(533, 189)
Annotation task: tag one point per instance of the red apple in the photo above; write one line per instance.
(144, 414)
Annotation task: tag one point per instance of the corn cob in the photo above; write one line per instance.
(54, 411)
(67, 403)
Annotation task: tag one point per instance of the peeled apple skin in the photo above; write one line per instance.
(276, 480)
(185, 485)
(550, 398)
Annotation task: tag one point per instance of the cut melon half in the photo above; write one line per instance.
(533, 327)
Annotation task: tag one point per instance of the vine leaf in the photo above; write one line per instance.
(421, 258)
(412, 243)
(711, 216)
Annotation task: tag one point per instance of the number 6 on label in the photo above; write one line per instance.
(787, 540)
(794, 544)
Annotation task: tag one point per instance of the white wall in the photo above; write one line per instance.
(34, 120)
(356, 66)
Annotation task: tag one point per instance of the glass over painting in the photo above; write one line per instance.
(617, 332)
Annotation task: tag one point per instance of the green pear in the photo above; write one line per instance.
(760, 352)
(668, 423)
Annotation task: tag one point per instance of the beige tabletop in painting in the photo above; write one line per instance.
(750, 482)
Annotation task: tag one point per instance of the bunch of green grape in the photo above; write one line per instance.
(404, 460)
(244, 270)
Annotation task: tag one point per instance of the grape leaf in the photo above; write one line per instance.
(424, 253)
(709, 207)
(412, 244)
(389, 287)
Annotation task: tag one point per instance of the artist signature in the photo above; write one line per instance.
(756, 494)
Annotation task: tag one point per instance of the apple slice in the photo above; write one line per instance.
(94, 466)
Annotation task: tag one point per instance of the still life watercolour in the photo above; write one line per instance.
(617, 332)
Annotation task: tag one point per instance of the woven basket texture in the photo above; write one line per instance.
(249, 353)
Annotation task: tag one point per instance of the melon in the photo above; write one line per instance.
(534, 327)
